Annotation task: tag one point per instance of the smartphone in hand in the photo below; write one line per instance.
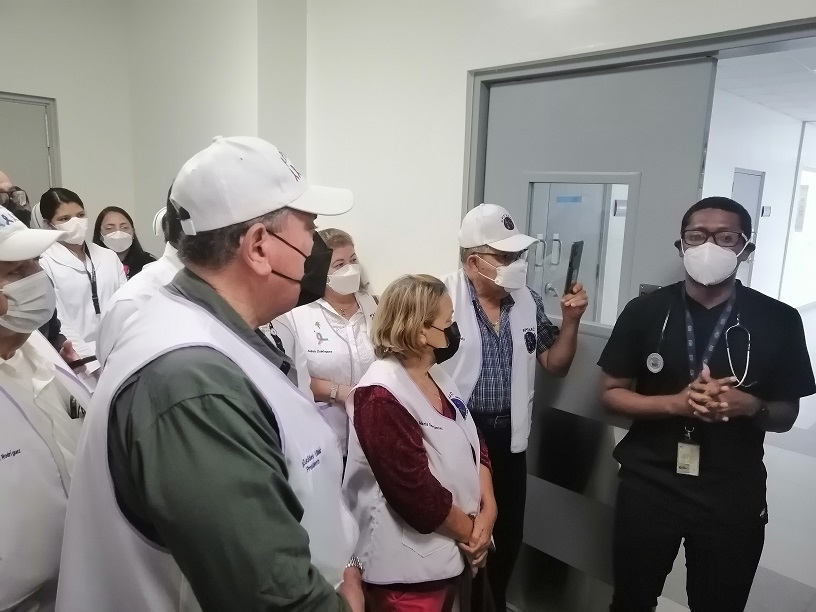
(574, 266)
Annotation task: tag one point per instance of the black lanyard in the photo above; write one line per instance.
(691, 343)
(92, 280)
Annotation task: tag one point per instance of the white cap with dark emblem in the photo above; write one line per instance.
(492, 225)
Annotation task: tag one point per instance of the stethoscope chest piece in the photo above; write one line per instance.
(654, 363)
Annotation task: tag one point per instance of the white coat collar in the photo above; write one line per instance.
(171, 255)
(169, 249)
(62, 256)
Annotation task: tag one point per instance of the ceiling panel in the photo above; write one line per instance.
(784, 81)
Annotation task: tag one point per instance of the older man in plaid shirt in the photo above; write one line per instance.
(505, 332)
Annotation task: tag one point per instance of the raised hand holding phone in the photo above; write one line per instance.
(574, 301)
(574, 266)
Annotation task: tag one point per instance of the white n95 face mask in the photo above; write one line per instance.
(118, 241)
(709, 264)
(512, 276)
(346, 280)
(31, 303)
(75, 229)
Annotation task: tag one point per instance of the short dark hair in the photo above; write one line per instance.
(214, 249)
(721, 203)
(51, 200)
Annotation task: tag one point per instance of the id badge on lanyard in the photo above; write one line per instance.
(688, 455)
(688, 451)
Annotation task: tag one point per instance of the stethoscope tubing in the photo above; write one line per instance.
(737, 326)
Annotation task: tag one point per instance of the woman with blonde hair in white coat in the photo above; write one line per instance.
(333, 335)
(418, 477)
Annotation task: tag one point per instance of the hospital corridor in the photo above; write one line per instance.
(441, 306)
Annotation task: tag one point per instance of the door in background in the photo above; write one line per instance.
(747, 190)
(613, 157)
(564, 213)
(25, 147)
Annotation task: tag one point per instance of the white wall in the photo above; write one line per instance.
(141, 85)
(798, 288)
(386, 97)
(194, 75)
(282, 77)
(76, 52)
(750, 136)
(613, 261)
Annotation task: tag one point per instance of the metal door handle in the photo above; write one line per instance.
(555, 256)
(549, 289)
(540, 251)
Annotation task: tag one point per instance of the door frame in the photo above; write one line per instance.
(755, 229)
(632, 180)
(51, 130)
(737, 43)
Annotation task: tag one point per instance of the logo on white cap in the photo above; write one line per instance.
(289, 165)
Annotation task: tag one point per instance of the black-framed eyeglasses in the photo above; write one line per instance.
(16, 196)
(504, 258)
(723, 238)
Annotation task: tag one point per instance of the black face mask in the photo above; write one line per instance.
(315, 270)
(453, 337)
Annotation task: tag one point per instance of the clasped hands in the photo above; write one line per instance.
(718, 400)
(476, 548)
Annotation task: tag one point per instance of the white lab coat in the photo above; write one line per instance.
(38, 441)
(294, 353)
(132, 297)
(466, 365)
(390, 550)
(74, 305)
(339, 356)
(107, 564)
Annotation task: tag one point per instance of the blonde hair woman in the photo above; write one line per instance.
(418, 476)
(333, 334)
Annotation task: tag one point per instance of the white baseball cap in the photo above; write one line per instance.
(239, 178)
(491, 225)
(18, 242)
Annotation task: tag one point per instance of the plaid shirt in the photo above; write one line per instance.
(491, 395)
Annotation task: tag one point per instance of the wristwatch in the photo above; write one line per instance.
(355, 563)
(333, 394)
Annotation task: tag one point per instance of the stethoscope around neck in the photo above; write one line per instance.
(655, 362)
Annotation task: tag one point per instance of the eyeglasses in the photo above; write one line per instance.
(17, 197)
(723, 238)
(504, 258)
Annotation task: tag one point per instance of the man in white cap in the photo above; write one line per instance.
(39, 400)
(206, 480)
(15, 199)
(505, 331)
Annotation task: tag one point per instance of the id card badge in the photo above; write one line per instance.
(688, 458)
